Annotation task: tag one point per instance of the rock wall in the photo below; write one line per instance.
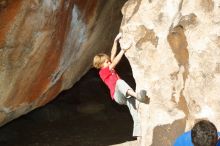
(175, 56)
(47, 45)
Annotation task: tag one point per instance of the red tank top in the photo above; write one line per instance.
(110, 78)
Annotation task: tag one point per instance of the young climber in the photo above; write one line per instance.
(120, 91)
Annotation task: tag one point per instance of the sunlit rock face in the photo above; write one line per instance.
(47, 45)
(175, 56)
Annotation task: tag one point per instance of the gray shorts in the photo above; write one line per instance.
(121, 89)
(121, 97)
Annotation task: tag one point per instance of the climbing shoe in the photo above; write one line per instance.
(142, 97)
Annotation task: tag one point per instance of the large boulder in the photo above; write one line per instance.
(47, 45)
(175, 56)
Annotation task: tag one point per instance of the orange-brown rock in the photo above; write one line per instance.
(46, 46)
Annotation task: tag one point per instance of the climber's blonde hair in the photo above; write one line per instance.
(99, 59)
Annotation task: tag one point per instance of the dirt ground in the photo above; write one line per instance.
(81, 116)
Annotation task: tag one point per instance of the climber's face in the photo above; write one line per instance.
(106, 63)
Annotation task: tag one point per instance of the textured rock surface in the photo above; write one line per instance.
(175, 56)
(46, 46)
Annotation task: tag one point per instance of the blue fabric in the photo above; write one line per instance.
(186, 140)
(218, 143)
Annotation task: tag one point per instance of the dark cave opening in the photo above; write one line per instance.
(82, 115)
